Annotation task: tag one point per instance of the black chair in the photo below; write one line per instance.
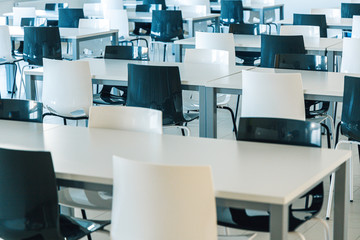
(312, 20)
(142, 28)
(41, 42)
(25, 22)
(166, 26)
(69, 17)
(348, 10)
(21, 110)
(278, 131)
(156, 2)
(275, 44)
(119, 52)
(307, 62)
(29, 204)
(158, 87)
(248, 29)
(50, 6)
(231, 12)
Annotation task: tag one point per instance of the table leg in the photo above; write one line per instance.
(115, 39)
(208, 112)
(279, 222)
(217, 24)
(75, 49)
(178, 52)
(262, 16)
(281, 10)
(341, 205)
(30, 90)
(191, 28)
(331, 61)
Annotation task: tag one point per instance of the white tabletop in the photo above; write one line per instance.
(187, 16)
(315, 83)
(84, 154)
(253, 43)
(248, 5)
(190, 73)
(337, 47)
(52, 15)
(334, 23)
(66, 33)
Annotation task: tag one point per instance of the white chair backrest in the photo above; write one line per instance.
(207, 56)
(330, 13)
(22, 12)
(355, 27)
(67, 87)
(93, 10)
(205, 3)
(94, 23)
(111, 4)
(273, 95)
(219, 41)
(350, 56)
(196, 10)
(168, 202)
(119, 20)
(126, 118)
(5, 46)
(3, 21)
(306, 31)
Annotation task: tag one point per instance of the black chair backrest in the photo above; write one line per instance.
(301, 62)
(232, 11)
(50, 6)
(312, 20)
(27, 22)
(350, 117)
(166, 25)
(41, 42)
(142, 8)
(281, 131)
(244, 28)
(348, 10)
(156, 87)
(62, 5)
(69, 17)
(161, 2)
(21, 110)
(28, 196)
(127, 52)
(275, 44)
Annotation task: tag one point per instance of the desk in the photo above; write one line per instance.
(332, 23)
(114, 72)
(252, 43)
(324, 86)
(51, 15)
(82, 157)
(73, 36)
(189, 18)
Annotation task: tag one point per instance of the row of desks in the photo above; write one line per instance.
(266, 177)
(209, 80)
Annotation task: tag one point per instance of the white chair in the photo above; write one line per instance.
(350, 56)
(174, 202)
(93, 10)
(195, 10)
(126, 118)
(67, 89)
(94, 23)
(355, 27)
(272, 95)
(269, 16)
(22, 12)
(218, 41)
(110, 117)
(306, 31)
(111, 4)
(330, 13)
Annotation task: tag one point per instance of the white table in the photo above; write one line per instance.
(257, 7)
(332, 23)
(50, 15)
(324, 86)
(252, 43)
(114, 72)
(188, 18)
(252, 175)
(73, 36)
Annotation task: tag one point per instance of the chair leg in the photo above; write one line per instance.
(327, 133)
(232, 117)
(65, 122)
(237, 106)
(164, 52)
(14, 82)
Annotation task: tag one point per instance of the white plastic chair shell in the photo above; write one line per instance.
(168, 202)
(93, 10)
(94, 23)
(111, 4)
(205, 3)
(219, 41)
(355, 27)
(5, 46)
(22, 12)
(67, 87)
(126, 118)
(306, 31)
(350, 57)
(330, 13)
(273, 95)
(119, 20)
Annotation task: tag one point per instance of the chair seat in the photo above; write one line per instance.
(108, 99)
(187, 117)
(313, 113)
(74, 228)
